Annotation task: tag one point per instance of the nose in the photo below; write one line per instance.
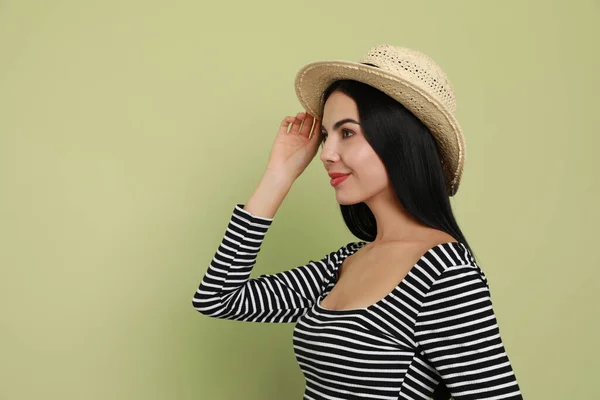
(329, 152)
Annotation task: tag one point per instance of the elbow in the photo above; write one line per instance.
(204, 304)
(201, 308)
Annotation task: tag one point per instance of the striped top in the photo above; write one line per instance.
(436, 325)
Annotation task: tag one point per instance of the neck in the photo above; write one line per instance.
(394, 223)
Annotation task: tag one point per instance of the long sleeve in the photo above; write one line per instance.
(227, 291)
(456, 329)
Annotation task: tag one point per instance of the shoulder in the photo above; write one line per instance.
(336, 255)
(346, 249)
(457, 287)
(448, 264)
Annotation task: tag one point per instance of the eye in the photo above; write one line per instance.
(347, 131)
(344, 131)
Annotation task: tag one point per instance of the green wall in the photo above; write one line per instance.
(129, 129)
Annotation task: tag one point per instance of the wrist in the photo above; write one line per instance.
(278, 178)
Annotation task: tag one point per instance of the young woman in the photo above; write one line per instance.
(404, 313)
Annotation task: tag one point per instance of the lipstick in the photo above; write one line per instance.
(337, 180)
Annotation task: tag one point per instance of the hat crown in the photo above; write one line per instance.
(416, 67)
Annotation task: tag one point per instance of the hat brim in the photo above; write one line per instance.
(312, 80)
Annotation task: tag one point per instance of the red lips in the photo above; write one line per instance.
(336, 174)
(337, 178)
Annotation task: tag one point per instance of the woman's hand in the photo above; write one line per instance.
(293, 151)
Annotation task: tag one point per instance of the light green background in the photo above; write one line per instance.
(129, 129)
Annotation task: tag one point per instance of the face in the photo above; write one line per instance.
(346, 150)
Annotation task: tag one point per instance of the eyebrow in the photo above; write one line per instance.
(340, 123)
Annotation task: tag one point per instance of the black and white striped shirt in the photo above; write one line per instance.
(438, 324)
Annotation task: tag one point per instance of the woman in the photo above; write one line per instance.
(405, 312)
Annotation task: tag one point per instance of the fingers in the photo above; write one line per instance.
(297, 122)
(315, 139)
(316, 135)
(306, 125)
(301, 124)
(283, 127)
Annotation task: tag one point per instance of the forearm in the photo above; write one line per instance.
(227, 291)
(269, 194)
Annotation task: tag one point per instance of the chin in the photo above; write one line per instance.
(345, 201)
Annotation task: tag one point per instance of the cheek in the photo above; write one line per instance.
(370, 178)
(370, 170)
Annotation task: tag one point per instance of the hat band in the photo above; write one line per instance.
(372, 65)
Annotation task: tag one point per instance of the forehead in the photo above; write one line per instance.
(339, 105)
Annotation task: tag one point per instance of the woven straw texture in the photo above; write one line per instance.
(408, 76)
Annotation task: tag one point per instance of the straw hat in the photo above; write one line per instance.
(408, 76)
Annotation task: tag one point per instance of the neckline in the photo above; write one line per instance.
(320, 298)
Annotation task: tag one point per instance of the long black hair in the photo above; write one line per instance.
(410, 155)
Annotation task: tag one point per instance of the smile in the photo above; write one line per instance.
(338, 180)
